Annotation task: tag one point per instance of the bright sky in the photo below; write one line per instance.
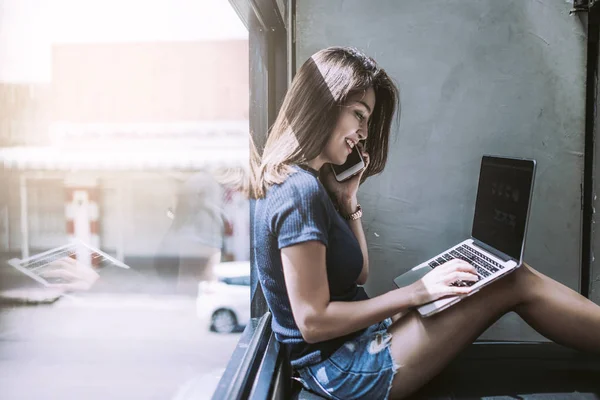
(28, 28)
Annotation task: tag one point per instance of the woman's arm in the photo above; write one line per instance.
(320, 319)
(357, 229)
(308, 289)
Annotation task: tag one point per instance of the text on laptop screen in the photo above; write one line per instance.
(502, 203)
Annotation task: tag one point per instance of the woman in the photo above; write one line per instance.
(311, 251)
(192, 245)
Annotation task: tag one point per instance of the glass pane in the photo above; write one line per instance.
(124, 235)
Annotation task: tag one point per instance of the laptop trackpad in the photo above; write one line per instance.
(410, 277)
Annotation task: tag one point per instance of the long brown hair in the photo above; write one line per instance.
(310, 111)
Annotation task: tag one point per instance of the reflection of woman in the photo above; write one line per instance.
(185, 256)
(193, 242)
(311, 251)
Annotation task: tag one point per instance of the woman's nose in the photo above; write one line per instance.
(362, 133)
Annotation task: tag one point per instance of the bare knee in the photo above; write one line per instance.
(528, 282)
(527, 271)
(519, 285)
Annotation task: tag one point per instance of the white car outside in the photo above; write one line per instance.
(225, 301)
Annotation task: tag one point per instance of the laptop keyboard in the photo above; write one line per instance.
(35, 264)
(484, 265)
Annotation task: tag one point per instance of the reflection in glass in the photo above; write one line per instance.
(128, 245)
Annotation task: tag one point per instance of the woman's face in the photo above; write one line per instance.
(351, 127)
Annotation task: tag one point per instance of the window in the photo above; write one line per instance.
(237, 280)
(122, 120)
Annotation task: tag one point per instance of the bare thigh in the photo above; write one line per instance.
(422, 347)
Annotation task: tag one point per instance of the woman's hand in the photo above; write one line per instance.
(75, 275)
(344, 193)
(441, 282)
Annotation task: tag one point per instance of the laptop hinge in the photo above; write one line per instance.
(490, 249)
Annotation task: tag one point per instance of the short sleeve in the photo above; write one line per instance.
(301, 213)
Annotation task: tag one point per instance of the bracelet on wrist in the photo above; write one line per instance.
(353, 216)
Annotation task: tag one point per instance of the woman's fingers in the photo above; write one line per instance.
(58, 273)
(461, 276)
(366, 158)
(67, 263)
(459, 290)
(460, 279)
(458, 265)
(74, 281)
(466, 267)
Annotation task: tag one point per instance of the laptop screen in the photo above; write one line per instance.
(503, 203)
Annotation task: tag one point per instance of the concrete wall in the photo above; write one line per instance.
(500, 77)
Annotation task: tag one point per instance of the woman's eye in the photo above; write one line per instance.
(359, 116)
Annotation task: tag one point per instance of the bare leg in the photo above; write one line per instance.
(422, 347)
(561, 314)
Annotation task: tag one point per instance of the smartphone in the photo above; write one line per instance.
(353, 165)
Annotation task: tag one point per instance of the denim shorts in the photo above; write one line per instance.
(362, 368)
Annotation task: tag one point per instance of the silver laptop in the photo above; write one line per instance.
(35, 265)
(497, 240)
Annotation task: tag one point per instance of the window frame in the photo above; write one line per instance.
(257, 368)
(271, 67)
